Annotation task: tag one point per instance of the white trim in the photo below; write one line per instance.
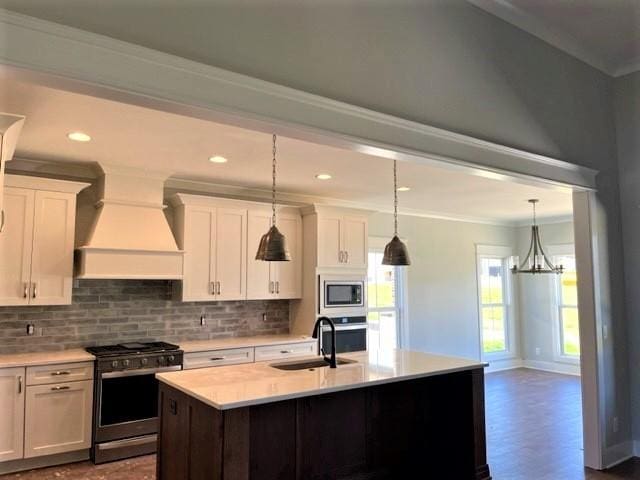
(555, 367)
(121, 71)
(41, 183)
(508, 12)
(552, 220)
(504, 364)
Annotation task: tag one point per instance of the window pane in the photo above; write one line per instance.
(493, 329)
(491, 281)
(570, 331)
(381, 283)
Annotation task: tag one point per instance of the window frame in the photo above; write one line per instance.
(510, 325)
(561, 250)
(376, 245)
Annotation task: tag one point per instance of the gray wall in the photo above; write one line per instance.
(628, 129)
(536, 295)
(442, 280)
(112, 311)
(441, 62)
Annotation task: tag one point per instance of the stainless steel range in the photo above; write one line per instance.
(125, 407)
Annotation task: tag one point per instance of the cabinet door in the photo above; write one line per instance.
(11, 413)
(231, 254)
(329, 241)
(259, 274)
(199, 258)
(52, 257)
(289, 274)
(355, 241)
(15, 246)
(58, 418)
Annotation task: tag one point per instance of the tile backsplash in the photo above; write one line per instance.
(112, 311)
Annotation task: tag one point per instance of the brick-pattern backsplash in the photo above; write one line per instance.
(112, 311)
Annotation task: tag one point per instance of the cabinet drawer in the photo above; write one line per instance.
(61, 372)
(217, 358)
(275, 352)
(58, 418)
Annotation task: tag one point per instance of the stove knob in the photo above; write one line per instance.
(161, 360)
(144, 361)
(125, 363)
(114, 364)
(171, 358)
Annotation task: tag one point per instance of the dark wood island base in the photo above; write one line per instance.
(427, 428)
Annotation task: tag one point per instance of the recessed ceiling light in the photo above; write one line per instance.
(218, 159)
(79, 137)
(404, 189)
(323, 176)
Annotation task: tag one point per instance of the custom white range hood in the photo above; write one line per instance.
(130, 237)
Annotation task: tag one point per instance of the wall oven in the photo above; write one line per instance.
(351, 334)
(341, 295)
(125, 414)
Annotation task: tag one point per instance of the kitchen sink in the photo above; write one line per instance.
(309, 364)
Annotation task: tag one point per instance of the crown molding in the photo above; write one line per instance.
(38, 50)
(550, 220)
(508, 12)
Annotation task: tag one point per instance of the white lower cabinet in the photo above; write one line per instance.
(279, 352)
(11, 413)
(218, 358)
(58, 418)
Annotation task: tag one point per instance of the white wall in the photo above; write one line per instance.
(442, 279)
(536, 297)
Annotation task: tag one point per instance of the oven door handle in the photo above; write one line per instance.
(357, 326)
(128, 442)
(142, 371)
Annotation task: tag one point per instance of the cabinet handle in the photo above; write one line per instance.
(35, 290)
(1, 221)
(219, 288)
(26, 289)
(346, 257)
(57, 389)
(340, 255)
(212, 285)
(278, 287)
(286, 351)
(57, 374)
(271, 287)
(215, 359)
(19, 384)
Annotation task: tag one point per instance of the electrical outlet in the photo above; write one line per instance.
(203, 320)
(615, 425)
(264, 316)
(537, 350)
(31, 329)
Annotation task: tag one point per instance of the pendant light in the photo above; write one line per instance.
(395, 253)
(273, 245)
(536, 261)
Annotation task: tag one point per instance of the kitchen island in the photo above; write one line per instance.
(393, 415)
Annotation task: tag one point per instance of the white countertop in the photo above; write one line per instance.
(241, 342)
(45, 358)
(256, 383)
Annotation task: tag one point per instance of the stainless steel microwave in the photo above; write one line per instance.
(339, 295)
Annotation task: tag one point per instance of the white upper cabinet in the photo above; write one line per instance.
(341, 238)
(36, 246)
(12, 388)
(213, 234)
(272, 280)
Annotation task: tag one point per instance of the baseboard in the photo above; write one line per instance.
(47, 461)
(619, 453)
(506, 364)
(555, 367)
(636, 448)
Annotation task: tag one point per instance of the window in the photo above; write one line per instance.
(566, 286)
(494, 301)
(493, 305)
(384, 300)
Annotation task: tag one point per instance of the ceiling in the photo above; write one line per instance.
(129, 135)
(602, 33)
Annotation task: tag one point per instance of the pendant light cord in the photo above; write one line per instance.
(395, 198)
(273, 187)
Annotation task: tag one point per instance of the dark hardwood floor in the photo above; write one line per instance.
(534, 429)
(533, 432)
